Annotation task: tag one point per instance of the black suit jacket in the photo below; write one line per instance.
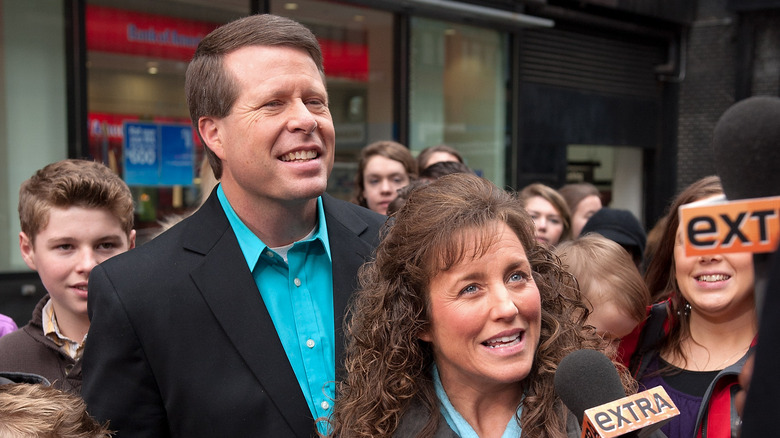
(181, 343)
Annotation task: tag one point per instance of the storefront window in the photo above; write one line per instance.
(33, 117)
(457, 92)
(139, 125)
(616, 170)
(357, 45)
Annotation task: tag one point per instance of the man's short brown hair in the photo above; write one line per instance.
(73, 183)
(210, 90)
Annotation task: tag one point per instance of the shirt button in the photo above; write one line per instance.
(269, 254)
(325, 405)
(297, 281)
(310, 344)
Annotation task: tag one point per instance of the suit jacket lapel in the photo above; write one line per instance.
(227, 285)
(349, 250)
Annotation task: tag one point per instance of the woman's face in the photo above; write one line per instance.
(485, 315)
(382, 178)
(585, 209)
(547, 220)
(719, 286)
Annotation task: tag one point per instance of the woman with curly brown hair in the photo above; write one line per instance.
(460, 323)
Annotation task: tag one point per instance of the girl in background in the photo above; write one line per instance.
(695, 343)
(549, 211)
(583, 200)
(384, 167)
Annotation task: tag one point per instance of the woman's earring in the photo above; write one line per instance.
(685, 311)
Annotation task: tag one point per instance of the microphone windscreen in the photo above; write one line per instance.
(746, 146)
(585, 379)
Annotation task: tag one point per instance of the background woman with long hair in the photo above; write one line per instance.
(549, 212)
(696, 341)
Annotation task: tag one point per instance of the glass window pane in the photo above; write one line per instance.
(33, 118)
(457, 92)
(617, 171)
(137, 56)
(357, 45)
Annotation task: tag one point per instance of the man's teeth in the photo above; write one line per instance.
(713, 277)
(502, 342)
(300, 155)
(84, 288)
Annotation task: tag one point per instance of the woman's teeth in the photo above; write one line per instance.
(502, 342)
(713, 277)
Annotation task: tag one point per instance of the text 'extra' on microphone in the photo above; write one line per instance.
(589, 385)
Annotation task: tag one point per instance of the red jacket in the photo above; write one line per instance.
(717, 417)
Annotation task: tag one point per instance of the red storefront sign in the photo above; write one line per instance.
(136, 33)
(345, 60)
(158, 36)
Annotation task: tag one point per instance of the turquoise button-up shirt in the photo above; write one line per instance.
(298, 294)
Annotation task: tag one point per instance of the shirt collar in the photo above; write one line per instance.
(52, 330)
(48, 320)
(251, 245)
(455, 420)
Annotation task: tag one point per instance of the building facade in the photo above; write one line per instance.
(620, 93)
(733, 53)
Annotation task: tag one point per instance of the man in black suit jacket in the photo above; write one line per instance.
(182, 340)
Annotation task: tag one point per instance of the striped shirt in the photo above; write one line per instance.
(52, 331)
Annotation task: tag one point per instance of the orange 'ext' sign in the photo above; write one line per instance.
(719, 226)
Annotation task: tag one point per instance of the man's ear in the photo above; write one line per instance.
(28, 250)
(131, 240)
(210, 131)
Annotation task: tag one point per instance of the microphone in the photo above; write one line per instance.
(588, 384)
(746, 156)
(745, 146)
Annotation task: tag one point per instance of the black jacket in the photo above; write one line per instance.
(181, 343)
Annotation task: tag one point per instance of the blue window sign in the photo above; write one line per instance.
(158, 154)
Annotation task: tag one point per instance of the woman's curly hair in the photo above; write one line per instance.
(388, 365)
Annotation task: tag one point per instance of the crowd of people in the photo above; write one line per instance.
(435, 304)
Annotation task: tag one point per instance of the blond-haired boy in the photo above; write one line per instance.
(74, 214)
(36, 410)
